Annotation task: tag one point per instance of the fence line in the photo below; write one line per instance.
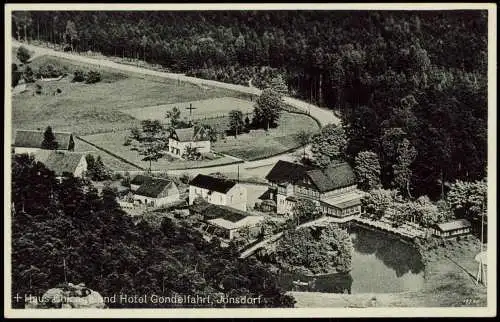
(111, 153)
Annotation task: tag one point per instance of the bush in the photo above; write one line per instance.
(128, 141)
(116, 176)
(168, 157)
(185, 178)
(49, 71)
(38, 90)
(58, 91)
(23, 54)
(92, 77)
(28, 75)
(79, 76)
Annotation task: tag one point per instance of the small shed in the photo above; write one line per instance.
(226, 222)
(452, 228)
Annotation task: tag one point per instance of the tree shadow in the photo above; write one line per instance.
(402, 258)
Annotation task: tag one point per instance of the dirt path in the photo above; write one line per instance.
(258, 167)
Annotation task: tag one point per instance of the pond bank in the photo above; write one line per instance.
(317, 299)
(445, 284)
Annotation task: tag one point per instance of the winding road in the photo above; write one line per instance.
(249, 168)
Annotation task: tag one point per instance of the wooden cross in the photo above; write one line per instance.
(190, 108)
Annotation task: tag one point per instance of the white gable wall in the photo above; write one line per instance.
(81, 168)
(235, 198)
(21, 150)
(177, 148)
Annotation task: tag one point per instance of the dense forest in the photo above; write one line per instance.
(68, 231)
(394, 76)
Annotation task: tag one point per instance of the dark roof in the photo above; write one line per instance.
(212, 183)
(453, 225)
(211, 211)
(333, 177)
(140, 179)
(153, 187)
(188, 134)
(59, 161)
(267, 194)
(284, 171)
(34, 139)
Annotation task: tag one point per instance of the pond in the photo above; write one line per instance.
(380, 264)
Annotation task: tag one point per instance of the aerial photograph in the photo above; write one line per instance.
(251, 159)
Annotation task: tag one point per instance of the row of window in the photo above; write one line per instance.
(306, 191)
(335, 211)
(338, 191)
(455, 232)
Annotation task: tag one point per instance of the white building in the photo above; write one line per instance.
(156, 193)
(180, 139)
(218, 191)
(30, 141)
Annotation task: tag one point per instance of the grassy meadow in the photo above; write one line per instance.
(110, 161)
(113, 142)
(207, 108)
(255, 144)
(104, 112)
(96, 108)
(258, 144)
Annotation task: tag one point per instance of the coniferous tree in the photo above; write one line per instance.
(49, 140)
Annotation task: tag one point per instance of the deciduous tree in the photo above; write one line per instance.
(151, 129)
(329, 145)
(152, 151)
(267, 109)
(468, 199)
(305, 210)
(236, 122)
(402, 171)
(377, 201)
(367, 169)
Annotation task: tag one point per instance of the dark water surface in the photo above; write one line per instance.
(380, 264)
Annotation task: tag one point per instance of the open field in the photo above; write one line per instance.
(445, 284)
(213, 107)
(253, 145)
(113, 142)
(258, 144)
(108, 160)
(96, 108)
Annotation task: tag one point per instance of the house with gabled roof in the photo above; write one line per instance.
(333, 189)
(192, 137)
(30, 141)
(139, 180)
(452, 228)
(156, 192)
(218, 191)
(63, 162)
